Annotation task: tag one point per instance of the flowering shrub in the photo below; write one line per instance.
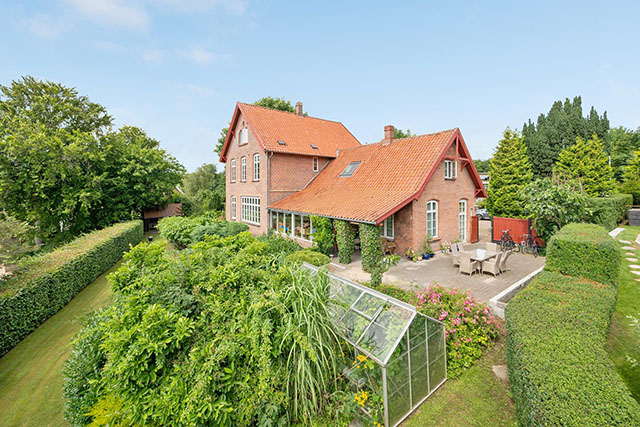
(470, 326)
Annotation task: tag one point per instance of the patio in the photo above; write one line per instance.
(439, 269)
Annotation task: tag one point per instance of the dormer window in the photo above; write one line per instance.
(350, 169)
(450, 169)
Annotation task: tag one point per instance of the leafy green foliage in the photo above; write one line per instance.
(482, 166)
(559, 129)
(551, 205)
(309, 256)
(609, 211)
(370, 246)
(624, 143)
(345, 238)
(218, 228)
(205, 188)
(323, 236)
(585, 250)
(61, 163)
(586, 163)
(16, 239)
(556, 333)
(46, 283)
(177, 229)
(381, 267)
(631, 182)
(510, 172)
(399, 134)
(183, 231)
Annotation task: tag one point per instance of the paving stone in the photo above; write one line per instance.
(500, 371)
(630, 253)
(634, 266)
(632, 259)
(624, 241)
(628, 248)
(636, 272)
(637, 280)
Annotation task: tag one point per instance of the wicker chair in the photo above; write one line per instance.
(503, 262)
(455, 255)
(492, 266)
(492, 247)
(466, 265)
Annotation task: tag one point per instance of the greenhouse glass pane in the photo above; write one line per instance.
(419, 384)
(418, 356)
(436, 372)
(436, 344)
(343, 294)
(369, 304)
(353, 325)
(417, 330)
(433, 326)
(377, 341)
(398, 388)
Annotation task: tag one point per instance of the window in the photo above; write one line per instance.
(315, 164)
(233, 207)
(243, 169)
(243, 136)
(350, 169)
(256, 167)
(387, 227)
(462, 219)
(432, 218)
(450, 169)
(233, 170)
(251, 210)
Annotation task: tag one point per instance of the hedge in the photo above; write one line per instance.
(309, 256)
(345, 238)
(559, 370)
(370, 246)
(584, 250)
(47, 283)
(610, 211)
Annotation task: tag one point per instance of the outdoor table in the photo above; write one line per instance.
(481, 255)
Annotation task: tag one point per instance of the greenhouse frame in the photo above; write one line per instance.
(408, 348)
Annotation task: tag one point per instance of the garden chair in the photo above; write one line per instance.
(466, 265)
(456, 255)
(503, 263)
(492, 247)
(492, 265)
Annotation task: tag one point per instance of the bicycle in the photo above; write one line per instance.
(529, 245)
(506, 242)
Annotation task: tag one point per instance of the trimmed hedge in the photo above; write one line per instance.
(47, 283)
(585, 250)
(610, 211)
(559, 371)
(309, 256)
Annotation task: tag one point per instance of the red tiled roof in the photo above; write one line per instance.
(389, 177)
(298, 132)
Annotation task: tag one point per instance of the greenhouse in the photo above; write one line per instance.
(399, 354)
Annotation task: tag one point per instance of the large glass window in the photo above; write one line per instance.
(297, 224)
(432, 218)
(462, 219)
(288, 224)
(233, 170)
(306, 228)
(233, 207)
(274, 221)
(450, 171)
(387, 227)
(256, 167)
(243, 169)
(251, 209)
(281, 223)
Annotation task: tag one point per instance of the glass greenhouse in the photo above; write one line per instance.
(407, 348)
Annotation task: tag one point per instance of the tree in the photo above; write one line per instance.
(552, 204)
(15, 239)
(63, 168)
(557, 130)
(206, 188)
(399, 134)
(586, 163)
(482, 166)
(510, 171)
(624, 143)
(268, 102)
(631, 184)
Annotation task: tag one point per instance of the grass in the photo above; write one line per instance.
(476, 398)
(623, 341)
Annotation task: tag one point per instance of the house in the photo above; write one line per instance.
(282, 168)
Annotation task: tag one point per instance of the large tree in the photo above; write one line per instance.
(482, 165)
(268, 102)
(63, 167)
(624, 143)
(558, 129)
(587, 164)
(510, 171)
(631, 184)
(206, 188)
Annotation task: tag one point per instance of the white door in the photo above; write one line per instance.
(462, 219)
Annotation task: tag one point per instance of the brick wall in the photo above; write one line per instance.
(291, 173)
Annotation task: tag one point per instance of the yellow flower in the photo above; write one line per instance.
(362, 357)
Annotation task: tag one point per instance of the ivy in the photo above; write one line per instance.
(345, 237)
(323, 237)
(370, 246)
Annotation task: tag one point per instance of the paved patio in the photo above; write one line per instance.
(416, 275)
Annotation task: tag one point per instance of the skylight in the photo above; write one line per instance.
(314, 146)
(350, 169)
(281, 142)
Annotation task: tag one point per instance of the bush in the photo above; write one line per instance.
(309, 256)
(278, 245)
(218, 228)
(370, 247)
(559, 371)
(47, 283)
(177, 230)
(345, 237)
(323, 236)
(585, 250)
(609, 211)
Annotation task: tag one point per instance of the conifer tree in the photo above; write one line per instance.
(631, 184)
(510, 172)
(586, 163)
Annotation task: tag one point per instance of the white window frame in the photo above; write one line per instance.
(243, 169)
(450, 169)
(233, 207)
(256, 167)
(251, 210)
(432, 208)
(462, 213)
(243, 136)
(388, 228)
(316, 164)
(233, 170)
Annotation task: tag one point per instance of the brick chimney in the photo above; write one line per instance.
(299, 109)
(388, 134)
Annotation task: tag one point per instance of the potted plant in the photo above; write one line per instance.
(427, 251)
(412, 255)
(445, 247)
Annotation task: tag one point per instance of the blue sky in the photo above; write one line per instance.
(176, 68)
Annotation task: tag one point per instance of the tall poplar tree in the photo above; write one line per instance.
(586, 163)
(510, 172)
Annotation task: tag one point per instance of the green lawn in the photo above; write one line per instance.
(30, 377)
(476, 398)
(622, 339)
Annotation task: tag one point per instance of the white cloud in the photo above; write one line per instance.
(202, 56)
(45, 27)
(193, 6)
(113, 13)
(153, 55)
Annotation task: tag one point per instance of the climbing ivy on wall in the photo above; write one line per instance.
(370, 246)
(323, 237)
(345, 237)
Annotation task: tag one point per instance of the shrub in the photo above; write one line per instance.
(585, 250)
(559, 371)
(278, 245)
(48, 282)
(370, 246)
(218, 228)
(345, 237)
(609, 211)
(309, 256)
(177, 229)
(323, 236)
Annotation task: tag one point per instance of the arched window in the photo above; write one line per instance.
(432, 218)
